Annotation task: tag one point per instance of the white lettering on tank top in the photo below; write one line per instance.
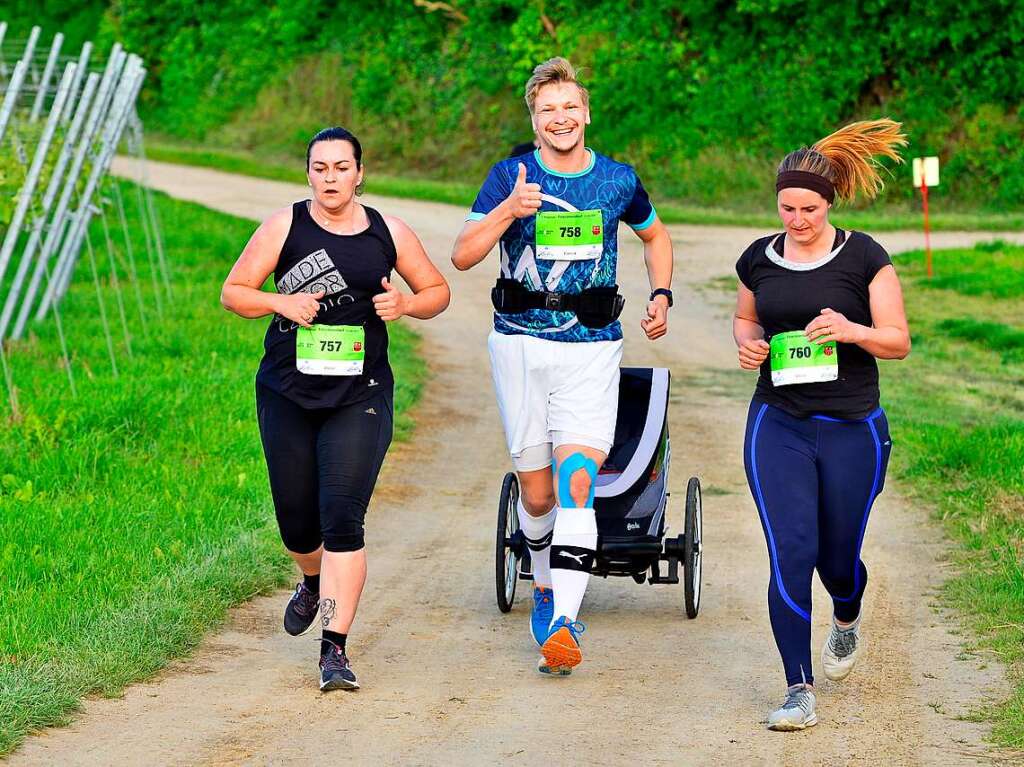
(314, 273)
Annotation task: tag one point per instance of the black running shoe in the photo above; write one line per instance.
(335, 671)
(301, 610)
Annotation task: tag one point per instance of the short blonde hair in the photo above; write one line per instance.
(556, 70)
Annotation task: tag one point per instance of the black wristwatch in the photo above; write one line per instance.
(662, 292)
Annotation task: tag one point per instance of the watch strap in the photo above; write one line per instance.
(662, 292)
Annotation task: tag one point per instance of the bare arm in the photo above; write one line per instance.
(747, 330)
(888, 338)
(430, 293)
(478, 238)
(658, 257)
(241, 292)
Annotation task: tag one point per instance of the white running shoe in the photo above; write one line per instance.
(796, 713)
(840, 650)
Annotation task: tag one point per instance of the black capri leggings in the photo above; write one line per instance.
(323, 466)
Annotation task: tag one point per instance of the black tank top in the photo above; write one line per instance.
(348, 268)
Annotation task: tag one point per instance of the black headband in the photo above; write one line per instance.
(803, 179)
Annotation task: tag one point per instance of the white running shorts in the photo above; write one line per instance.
(553, 393)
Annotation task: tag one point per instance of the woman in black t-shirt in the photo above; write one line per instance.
(324, 390)
(815, 307)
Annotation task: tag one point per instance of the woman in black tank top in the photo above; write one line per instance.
(324, 389)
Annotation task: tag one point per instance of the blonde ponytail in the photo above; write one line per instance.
(849, 158)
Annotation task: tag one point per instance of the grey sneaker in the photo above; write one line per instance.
(797, 713)
(840, 650)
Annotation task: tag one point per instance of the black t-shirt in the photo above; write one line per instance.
(349, 269)
(789, 295)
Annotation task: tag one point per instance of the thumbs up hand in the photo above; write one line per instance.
(390, 304)
(525, 198)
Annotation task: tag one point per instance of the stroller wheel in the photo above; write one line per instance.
(692, 548)
(506, 558)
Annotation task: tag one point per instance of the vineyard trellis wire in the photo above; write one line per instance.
(61, 123)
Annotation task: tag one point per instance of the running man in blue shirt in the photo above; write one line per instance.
(557, 343)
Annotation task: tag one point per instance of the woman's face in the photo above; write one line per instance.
(333, 173)
(804, 214)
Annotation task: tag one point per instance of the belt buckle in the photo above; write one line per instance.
(553, 301)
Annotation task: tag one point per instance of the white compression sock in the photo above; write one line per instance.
(538, 532)
(572, 553)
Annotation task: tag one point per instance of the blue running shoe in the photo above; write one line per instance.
(542, 613)
(561, 650)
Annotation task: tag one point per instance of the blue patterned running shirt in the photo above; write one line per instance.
(605, 185)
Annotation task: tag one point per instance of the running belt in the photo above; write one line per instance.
(593, 307)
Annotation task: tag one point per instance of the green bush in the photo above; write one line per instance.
(704, 97)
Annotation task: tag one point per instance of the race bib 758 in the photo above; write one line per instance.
(564, 235)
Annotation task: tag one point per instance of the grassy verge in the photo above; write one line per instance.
(133, 515)
(876, 218)
(956, 408)
(957, 403)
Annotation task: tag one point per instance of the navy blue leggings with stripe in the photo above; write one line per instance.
(813, 480)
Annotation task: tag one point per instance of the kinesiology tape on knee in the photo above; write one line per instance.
(536, 530)
(566, 469)
(574, 540)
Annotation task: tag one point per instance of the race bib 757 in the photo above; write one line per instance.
(330, 350)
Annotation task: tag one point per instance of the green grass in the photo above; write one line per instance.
(877, 218)
(989, 269)
(957, 409)
(133, 515)
(1008, 342)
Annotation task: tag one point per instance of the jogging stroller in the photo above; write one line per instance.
(630, 500)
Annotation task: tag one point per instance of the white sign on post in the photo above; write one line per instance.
(926, 168)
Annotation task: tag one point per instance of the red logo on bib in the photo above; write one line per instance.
(357, 346)
(596, 230)
(828, 351)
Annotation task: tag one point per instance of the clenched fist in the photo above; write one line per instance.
(752, 353)
(300, 308)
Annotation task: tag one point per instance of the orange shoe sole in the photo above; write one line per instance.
(561, 651)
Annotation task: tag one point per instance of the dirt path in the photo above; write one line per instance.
(449, 680)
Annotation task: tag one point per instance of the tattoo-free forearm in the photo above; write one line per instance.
(745, 330)
(887, 343)
(427, 302)
(477, 238)
(247, 301)
(658, 257)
